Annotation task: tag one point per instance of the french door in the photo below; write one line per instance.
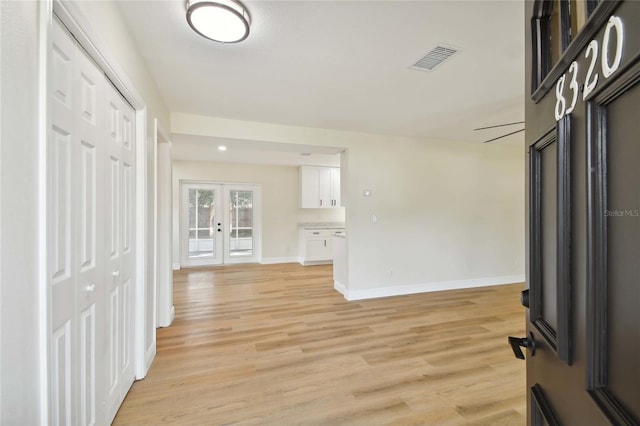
(219, 223)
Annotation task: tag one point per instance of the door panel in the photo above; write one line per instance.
(583, 204)
(201, 224)
(119, 247)
(241, 223)
(614, 376)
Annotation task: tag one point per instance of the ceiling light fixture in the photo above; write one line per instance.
(222, 148)
(224, 21)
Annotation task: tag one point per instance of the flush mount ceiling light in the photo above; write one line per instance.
(224, 21)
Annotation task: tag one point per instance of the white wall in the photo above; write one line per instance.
(445, 212)
(107, 23)
(280, 202)
(450, 214)
(19, 309)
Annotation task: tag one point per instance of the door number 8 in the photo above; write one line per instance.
(591, 79)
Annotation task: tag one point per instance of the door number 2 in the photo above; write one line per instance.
(591, 79)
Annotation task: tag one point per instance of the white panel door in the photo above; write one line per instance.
(61, 278)
(242, 222)
(119, 244)
(75, 269)
(201, 228)
(90, 289)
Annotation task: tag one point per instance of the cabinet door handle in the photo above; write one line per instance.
(325, 243)
(316, 233)
(320, 203)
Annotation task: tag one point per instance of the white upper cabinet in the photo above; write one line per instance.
(319, 187)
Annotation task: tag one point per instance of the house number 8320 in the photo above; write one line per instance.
(591, 78)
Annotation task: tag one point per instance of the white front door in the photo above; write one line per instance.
(220, 223)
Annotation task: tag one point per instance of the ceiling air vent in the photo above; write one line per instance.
(435, 57)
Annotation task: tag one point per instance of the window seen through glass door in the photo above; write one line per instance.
(202, 212)
(240, 223)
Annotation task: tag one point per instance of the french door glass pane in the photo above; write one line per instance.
(240, 223)
(202, 212)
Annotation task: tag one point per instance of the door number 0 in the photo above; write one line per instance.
(591, 79)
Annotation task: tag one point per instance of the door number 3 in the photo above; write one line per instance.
(591, 79)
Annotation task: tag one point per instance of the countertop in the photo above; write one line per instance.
(322, 225)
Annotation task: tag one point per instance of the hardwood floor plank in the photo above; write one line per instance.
(276, 345)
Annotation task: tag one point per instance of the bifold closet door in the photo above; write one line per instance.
(90, 229)
(75, 213)
(119, 245)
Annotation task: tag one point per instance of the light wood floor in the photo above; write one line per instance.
(276, 345)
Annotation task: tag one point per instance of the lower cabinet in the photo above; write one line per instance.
(316, 246)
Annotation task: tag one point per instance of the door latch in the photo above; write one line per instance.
(524, 342)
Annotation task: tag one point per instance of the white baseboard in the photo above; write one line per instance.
(314, 262)
(149, 357)
(172, 315)
(373, 293)
(340, 287)
(274, 260)
(175, 266)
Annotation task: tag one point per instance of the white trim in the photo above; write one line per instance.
(314, 262)
(149, 356)
(77, 23)
(341, 288)
(45, 24)
(163, 238)
(400, 290)
(275, 260)
(141, 366)
(175, 266)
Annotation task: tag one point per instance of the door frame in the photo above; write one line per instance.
(69, 14)
(225, 187)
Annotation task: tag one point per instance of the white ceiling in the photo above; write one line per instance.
(344, 65)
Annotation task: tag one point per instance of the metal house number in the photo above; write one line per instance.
(591, 78)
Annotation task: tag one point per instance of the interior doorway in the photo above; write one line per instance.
(219, 223)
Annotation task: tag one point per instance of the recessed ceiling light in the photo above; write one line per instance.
(224, 21)
(222, 148)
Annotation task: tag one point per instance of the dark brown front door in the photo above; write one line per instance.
(583, 212)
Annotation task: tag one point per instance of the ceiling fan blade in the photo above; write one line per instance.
(504, 136)
(499, 125)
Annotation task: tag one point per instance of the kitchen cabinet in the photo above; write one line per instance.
(316, 245)
(319, 187)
